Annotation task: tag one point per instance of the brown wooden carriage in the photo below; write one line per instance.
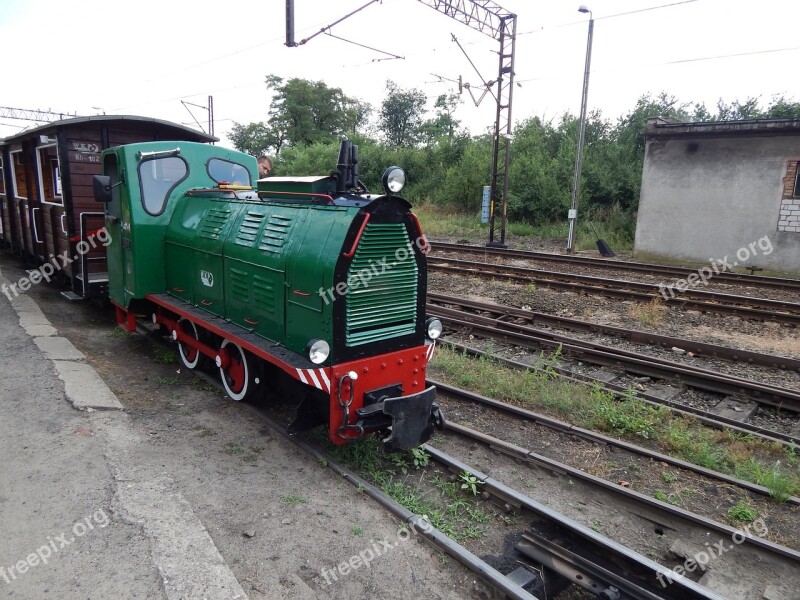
(47, 204)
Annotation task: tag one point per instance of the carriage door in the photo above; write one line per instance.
(53, 231)
(18, 206)
(117, 275)
(4, 237)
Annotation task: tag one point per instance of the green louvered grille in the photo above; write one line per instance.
(214, 221)
(248, 231)
(239, 285)
(275, 234)
(264, 294)
(386, 306)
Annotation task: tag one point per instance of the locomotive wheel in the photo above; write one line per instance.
(241, 377)
(190, 357)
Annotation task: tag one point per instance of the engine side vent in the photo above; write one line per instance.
(213, 222)
(248, 230)
(275, 234)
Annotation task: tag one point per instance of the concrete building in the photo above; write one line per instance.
(712, 191)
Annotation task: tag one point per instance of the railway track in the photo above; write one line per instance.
(591, 436)
(754, 281)
(639, 363)
(567, 551)
(509, 313)
(704, 301)
(597, 563)
(707, 418)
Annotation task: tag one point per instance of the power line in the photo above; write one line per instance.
(754, 52)
(679, 61)
(622, 14)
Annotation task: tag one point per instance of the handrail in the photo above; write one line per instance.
(84, 256)
(308, 194)
(33, 222)
(358, 237)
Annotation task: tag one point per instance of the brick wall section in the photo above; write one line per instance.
(788, 181)
(789, 219)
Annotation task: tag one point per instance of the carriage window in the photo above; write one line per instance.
(50, 175)
(20, 188)
(224, 171)
(158, 176)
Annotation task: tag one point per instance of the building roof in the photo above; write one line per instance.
(658, 127)
(184, 133)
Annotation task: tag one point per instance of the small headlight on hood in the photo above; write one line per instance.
(318, 351)
(433, 328)
(394, 180)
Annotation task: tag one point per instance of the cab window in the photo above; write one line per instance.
(158, 176)
(227, 172)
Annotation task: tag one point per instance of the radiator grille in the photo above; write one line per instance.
(382, 290)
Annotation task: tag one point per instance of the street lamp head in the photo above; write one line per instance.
(583, 9)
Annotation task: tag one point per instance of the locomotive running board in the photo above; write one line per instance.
(291, 362)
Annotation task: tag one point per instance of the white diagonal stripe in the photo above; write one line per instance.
(313, 376)
(325, 379)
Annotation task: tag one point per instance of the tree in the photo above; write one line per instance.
(306, 112)
(443, 124)
(738, 111)
(255, 138)
(401, 115)
(359, 114)
(781, 108)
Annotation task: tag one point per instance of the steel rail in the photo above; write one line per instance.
(632, 335)
(741, 306)
(555, 466)
(621, 392)
(552, 465)
(602, 549)
(635, 362)
(599, 438)
(779, 283)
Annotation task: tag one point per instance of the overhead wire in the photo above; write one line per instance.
(611, 16)
(628, 67)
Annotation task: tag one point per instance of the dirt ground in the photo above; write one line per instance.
(278, 517)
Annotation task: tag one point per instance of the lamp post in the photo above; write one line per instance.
(576, 182)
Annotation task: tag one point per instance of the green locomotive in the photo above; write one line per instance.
(308, 287)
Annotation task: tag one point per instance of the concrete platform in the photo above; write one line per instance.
(58, 348)
(84, 388)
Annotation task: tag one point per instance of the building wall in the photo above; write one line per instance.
(706, 199)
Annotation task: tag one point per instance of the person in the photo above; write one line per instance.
(264, 166)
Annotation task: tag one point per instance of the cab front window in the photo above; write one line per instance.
(158, 176)
(228, 173)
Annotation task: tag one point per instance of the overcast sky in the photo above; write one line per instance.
(143, 58)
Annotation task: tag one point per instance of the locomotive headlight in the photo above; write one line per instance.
(433, 327)
(318, 351)
(394, 179)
